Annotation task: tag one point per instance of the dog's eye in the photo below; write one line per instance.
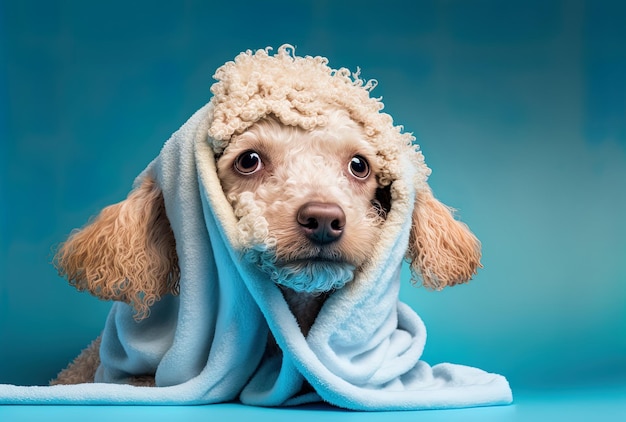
(359, 167)
(248, 163)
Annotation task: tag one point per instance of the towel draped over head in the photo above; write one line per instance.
(208, 343)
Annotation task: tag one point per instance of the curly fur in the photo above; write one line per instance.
(83, 368)
(443, 251)
(302, 92)
(126, 253)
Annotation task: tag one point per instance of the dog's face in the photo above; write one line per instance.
(311, 199)
(312, 195)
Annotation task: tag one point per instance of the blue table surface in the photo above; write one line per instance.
(591, 404)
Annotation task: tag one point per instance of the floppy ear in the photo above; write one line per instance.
(127, 253)
(442, 250)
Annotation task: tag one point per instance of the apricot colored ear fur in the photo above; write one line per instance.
(443, 251)
(127, 253)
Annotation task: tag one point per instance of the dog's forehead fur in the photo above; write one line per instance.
(302, 91)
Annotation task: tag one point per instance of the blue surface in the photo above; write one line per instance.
(520, 108)
(572, 406)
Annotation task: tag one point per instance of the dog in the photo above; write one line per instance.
(324, 201)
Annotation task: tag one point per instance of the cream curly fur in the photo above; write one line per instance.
(442, 251)
(302, 91)
(306, 121)
(127, 253)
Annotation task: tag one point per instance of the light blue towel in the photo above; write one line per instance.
(207, 344)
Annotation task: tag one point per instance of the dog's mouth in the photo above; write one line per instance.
(318, 256)
(314, 260)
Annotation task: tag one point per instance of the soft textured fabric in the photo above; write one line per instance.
(207, 345)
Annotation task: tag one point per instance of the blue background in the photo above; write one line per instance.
(519, 106)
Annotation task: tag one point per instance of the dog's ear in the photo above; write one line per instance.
(126, 253)
(443, 251)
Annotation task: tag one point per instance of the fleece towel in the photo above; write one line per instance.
(208, 343)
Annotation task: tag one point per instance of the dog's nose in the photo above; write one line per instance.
(321, 222)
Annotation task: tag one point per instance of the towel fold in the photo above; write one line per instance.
(208, 344)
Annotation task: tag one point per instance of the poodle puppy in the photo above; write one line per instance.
(324, 197)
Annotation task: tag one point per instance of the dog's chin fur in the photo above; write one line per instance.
(306, 275)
